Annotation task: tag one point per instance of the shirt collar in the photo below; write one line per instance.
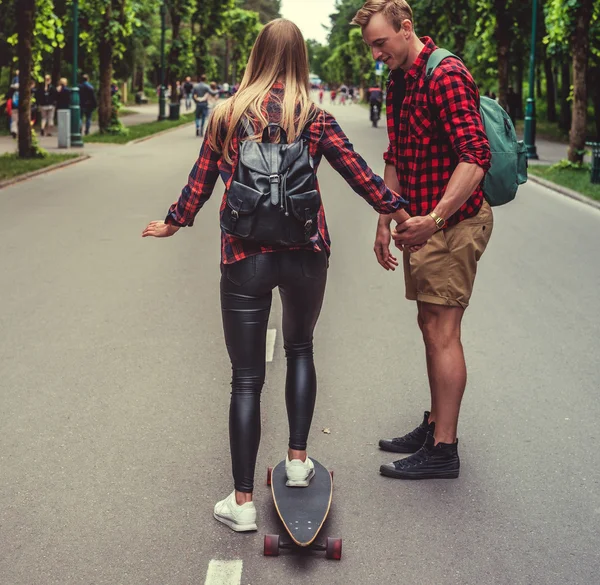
(420, 62)
(278, 86)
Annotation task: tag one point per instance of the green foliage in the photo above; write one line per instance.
(568, 177)
(140, 131)
(115, 126)
(241, 28)
(48, 34)
(267, 9)
(573, 166)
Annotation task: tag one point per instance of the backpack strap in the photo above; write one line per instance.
(435, 59)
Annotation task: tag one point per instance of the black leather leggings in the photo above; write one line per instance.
(246, 293)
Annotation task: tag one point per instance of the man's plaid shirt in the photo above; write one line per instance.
(439, 126)
(325, 138)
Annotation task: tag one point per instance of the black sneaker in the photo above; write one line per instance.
(411, 442)
(429, 462)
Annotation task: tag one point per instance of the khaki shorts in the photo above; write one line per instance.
(443, 272)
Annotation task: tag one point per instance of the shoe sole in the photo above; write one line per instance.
(418, 475)
(390, 448)
(300, 483)
(235, 527)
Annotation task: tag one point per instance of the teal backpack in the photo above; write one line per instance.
(509, 155)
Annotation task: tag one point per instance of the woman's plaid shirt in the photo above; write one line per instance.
(439, 126)
(326, 138)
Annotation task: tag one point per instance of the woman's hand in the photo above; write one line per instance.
(159, 229)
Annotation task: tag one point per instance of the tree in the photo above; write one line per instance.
(208, 21)
(267, 9)
(110, 22)
(570, 22)
(241, 28)
(25, 28)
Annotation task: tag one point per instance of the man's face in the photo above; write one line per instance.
(385, 43)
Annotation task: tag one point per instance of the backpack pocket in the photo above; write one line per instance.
(239, 214)
(521, 163)
(305, 209)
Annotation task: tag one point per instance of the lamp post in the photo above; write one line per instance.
(74, 105)
(162, 98)
(530, 109)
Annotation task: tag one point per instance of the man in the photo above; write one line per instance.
(188, 88)
(47, 103)
(437, 158)
(375, 98)
(87, 97)
(200, 97)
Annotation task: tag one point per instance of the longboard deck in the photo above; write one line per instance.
(303, 511)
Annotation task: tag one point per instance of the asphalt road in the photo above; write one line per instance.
(114, 392)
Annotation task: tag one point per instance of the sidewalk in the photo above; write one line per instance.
(549, 152)
(146, 113)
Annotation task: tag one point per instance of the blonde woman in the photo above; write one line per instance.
(275, 89)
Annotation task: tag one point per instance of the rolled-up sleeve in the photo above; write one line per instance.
(199, 188)
(457, 102)
(389, 156)
(340, 153)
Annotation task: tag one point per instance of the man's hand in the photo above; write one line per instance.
(159, 229)
(414, 231)
(382, 246)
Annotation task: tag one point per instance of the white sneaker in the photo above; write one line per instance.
(299, 473)
(239, 518)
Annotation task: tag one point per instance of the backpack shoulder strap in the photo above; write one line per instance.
(435, 59)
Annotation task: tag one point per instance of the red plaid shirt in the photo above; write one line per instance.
(326, 138)
(439, 127)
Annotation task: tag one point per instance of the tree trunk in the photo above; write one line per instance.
(550, 90)
(503, 34)
(105, 51)
(580, 44)
(564, 121)
(56, 63)
(25, 25)
(594, 74)
(519, 86)
(226, 60)
(174, 54)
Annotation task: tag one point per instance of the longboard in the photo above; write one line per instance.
(302, 511)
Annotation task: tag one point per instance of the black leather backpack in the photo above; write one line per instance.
(272, 197)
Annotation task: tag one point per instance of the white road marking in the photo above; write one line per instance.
(271, 335)
(224, 573)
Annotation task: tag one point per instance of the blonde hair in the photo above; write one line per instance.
(394, 11)
(279, 52)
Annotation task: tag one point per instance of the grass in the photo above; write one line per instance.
(573, 179)
(13, 166)
(140, 130)
(550, 130)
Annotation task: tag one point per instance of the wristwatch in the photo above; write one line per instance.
(440, 222)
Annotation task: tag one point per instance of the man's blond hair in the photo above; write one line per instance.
(394, 11)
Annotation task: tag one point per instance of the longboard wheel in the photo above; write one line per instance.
(331, 474)
(271, 546)
(269, 475)
(333, 549)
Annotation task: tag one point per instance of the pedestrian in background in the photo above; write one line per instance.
(437, 158)
(199, 95)
(63, 95)
(275, 90)
(13, 99)
(188, 88)
(46, 97)
(87, 98)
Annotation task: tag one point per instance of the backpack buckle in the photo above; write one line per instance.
(308, 225)
(274, 179)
